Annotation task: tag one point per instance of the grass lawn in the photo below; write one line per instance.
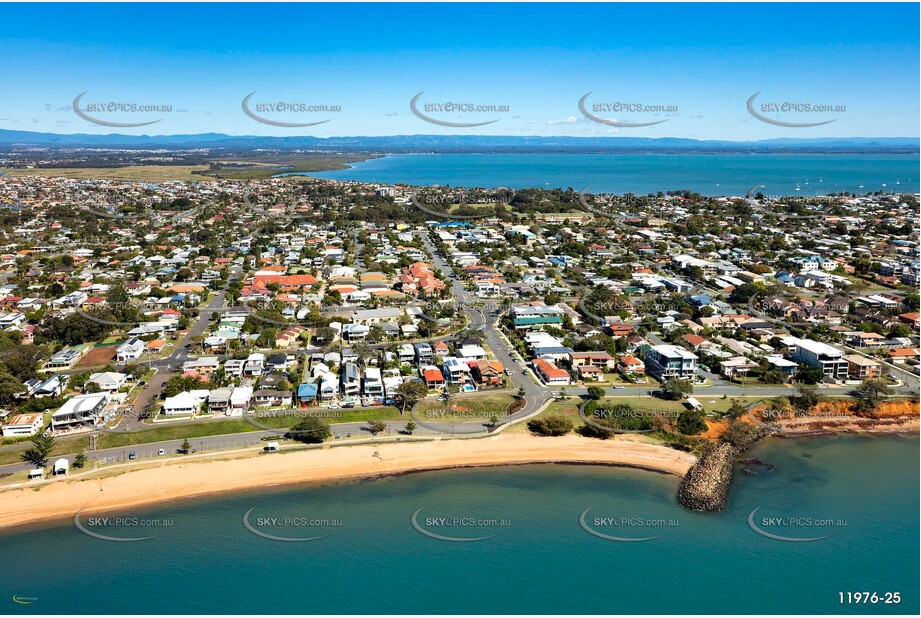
(60, 448)
(479, 407)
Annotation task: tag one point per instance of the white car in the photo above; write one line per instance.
(161, 452)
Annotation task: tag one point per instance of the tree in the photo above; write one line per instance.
(691, 422)
(412, 391)
(870, 393)
(410, 427)
(40, 451)
(676, 389)
(810, 375)
(736, 409)
(186, 447)
(595, 392)
(740, 434)
(311, 430)
(551, 425)
(80, 460)
(376, 427)
(806, 398)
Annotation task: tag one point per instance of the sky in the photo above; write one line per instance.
(698, 64)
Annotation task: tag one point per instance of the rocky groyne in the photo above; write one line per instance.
(706, 485)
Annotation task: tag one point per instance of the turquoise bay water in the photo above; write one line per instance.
(542, 561)
(709, 174)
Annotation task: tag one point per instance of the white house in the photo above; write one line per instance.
(23, 425)
(110, 381)
(183, 404)
(130, 350)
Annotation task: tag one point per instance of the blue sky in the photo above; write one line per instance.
(539, 60)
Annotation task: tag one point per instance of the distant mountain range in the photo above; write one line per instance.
(459, 143)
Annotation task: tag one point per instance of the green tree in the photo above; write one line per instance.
(675, 388)
(410, 427)
(186, 447)
(412, 391)
(80, 460)
(376, 426)
(869, 394)
(691, 422)
(595, 392)
(40, 451)
(311, 430)
(551, 425)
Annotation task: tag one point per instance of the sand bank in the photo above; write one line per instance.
(177, 478)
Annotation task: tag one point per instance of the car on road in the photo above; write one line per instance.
(132, 455)
(618, 387)
(508, 371)
(161, 452)
(524, 372)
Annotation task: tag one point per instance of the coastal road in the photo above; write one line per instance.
(340, 431)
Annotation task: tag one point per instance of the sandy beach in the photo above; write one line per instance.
(178, 479)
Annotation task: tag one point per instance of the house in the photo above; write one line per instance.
(550, 373)
(240, 400)
(109, 381)
(589, 373)
(601, 360)
(219, 400)
(183, 404)
(369, 317)
(817, 354)
(901, 355)
(630, 364)
(455, 370)
(486, 373)
(351, 380)
(432, 377)
(670, 361)
(81, 413)
(271, 397)
(23, 425)
(255, 364)
(406, 353)
(737, 365)
(306, 394)
(65, 359)
(130, 350)
(373, 386)
(860, 367)
(424, 354)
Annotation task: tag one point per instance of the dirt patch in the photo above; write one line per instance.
(97, 357)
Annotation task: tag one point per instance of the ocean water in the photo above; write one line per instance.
(538, 558)
(708, 174)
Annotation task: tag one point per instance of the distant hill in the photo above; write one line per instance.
(461, 143)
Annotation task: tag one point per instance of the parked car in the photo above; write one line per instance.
(161, 452)
(132, 455)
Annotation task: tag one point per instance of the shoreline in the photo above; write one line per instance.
(180, 479)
